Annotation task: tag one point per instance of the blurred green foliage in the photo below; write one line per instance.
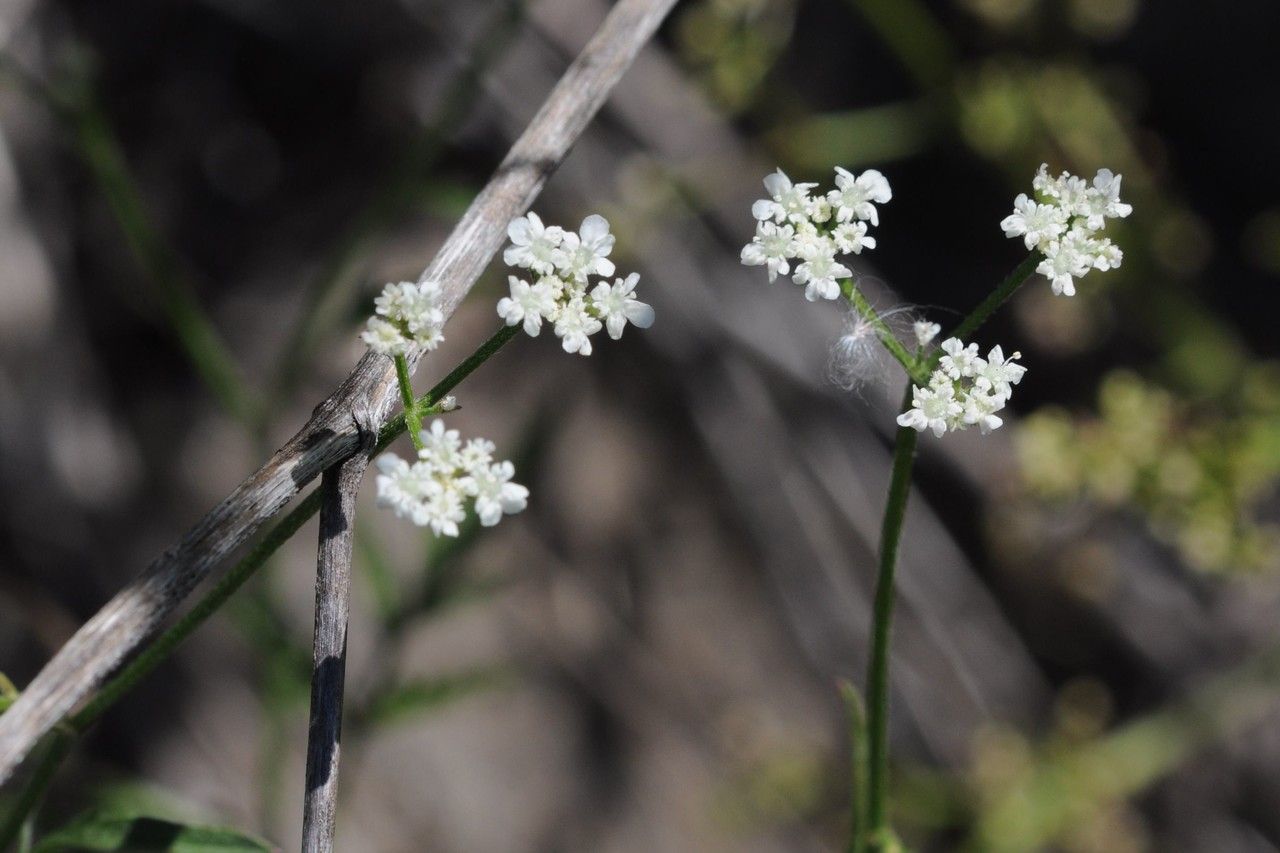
(1198, 474)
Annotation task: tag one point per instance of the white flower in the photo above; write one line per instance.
(1036, 223)
(575, 325)
(925, 331)
(1063, 264)
(801, 235)
(440, 447)
(527, 303)
(998, 374)
(1064, 226)
(772, 246)
(855, 197)
(400, 485)
(1102, 200)
(933, 408)
(432, 491)
(1072, 193)
(1043, 184)
(819, 210)
(960, 362)
(563, 295)
(851, 238)
(1106, 255)
(405, 314)
(533, 245)
(586, 252)
(476, 455)
(965, 390)
(441, 510)
(819, 275)
(811, 243)
(495, 495)
(384, 337)
(980, 408)
(616, 306)
(786, 200)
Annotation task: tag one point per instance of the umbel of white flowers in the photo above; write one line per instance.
(794, 226)
(1063, 222)
(405, 314)
(964, 390)
(561, 264)
(433, 491)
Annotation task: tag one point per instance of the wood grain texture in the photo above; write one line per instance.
(357, 407)
(340, 486)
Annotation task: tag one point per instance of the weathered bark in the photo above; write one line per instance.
(361, 402)
(340, 487)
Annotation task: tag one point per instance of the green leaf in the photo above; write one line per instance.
(8, 693)
(106, 830)
(858, 770)
(428, 694)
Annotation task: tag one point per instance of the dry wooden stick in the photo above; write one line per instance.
(357, 408)
(340, 486)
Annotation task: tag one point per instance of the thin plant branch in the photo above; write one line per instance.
(877, 814)
(412, 422)
(888, 339)
(996, 298)
(339, 488)
(359, 405)
(227, 585)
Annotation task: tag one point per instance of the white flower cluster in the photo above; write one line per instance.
(432, 492)
(405, 314)
(563, 262)
(1062, 222)
(793, 225)
(964, 390)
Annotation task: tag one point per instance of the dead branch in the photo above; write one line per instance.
(358, 406)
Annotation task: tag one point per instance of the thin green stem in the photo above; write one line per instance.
(56, 749)
(226, 586)
(413, 422)
(884, 333)
(877, 824)
(482, 354)
(996, 298)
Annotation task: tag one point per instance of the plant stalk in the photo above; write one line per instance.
(996, 298)
(914, 369)
(412, 422)
(877, 823)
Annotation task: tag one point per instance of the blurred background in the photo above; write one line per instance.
(199, 200)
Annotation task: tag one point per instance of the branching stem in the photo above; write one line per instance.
(876, 834)
(412, 421)
(887, 338)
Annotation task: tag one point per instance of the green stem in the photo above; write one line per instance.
(413, 422)
(877, 825)
(482, 354)
(886, 335)
(164, 645)
(996, 298)
(56, 749)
